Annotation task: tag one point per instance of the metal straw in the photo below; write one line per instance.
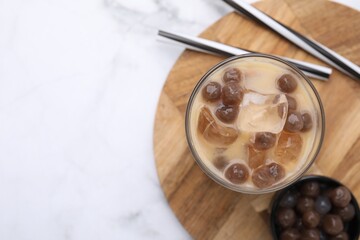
(208, 46)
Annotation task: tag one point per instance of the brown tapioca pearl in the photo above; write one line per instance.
(232, 75)
(347, 213)
(292, 105)
(289, 199)
(332, 224)
(264, 140)
(285, 217)
(220, 162)
(322, 204)
(310, 189)
(308, 123)
(211, 92)
(310, 234)
(304, 204)
(232, 94)
(237, 173)
(311, 219)
(287, 83)
(276, 171)
(290, 234)
(262, 178)
(267, 175)
(340, 197)
(294, 122)
(227, 114)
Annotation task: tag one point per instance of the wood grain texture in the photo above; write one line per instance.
(209, 211)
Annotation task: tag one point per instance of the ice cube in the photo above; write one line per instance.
(259, 113)
(214, 132)
(255, 158)
(288, 149)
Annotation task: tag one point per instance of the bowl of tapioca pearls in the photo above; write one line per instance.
(315, 208)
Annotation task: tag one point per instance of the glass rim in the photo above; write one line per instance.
(213, 175)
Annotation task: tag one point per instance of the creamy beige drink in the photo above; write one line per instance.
(254, 123)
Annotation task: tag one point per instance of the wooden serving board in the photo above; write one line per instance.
(209, 211)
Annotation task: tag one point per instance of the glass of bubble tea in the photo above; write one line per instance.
(254, 123)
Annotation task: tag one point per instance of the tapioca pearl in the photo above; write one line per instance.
(287, 83)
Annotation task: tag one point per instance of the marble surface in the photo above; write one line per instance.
(79, 84)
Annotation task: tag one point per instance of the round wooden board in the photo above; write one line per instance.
(209, 211)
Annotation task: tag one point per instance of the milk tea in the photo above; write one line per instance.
(253, 122)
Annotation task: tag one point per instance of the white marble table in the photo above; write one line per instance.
(79, 84)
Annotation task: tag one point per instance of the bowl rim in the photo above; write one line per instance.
(321, 178)
(207, 170)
